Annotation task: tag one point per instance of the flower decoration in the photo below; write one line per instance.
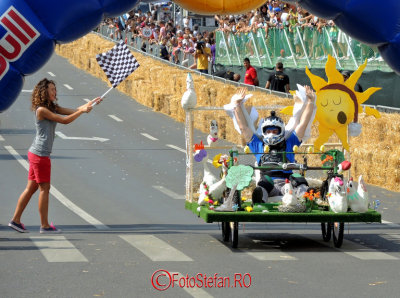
(210, 202)
(200, 155)
(235, 207)
(249, 209)
(328, 158)
(310, 197)
(216, 162)
(198, 147)
(200, 152)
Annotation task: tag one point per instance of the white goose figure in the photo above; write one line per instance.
(189, 98)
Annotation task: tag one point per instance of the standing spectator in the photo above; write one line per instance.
(201, 55)
(213, 51)
(187, 22)
(176, 52)
(250, 78)
(228, 75)
(47, 115)
(163, 30)
(164, 54)
(278, 81)
(179, 35)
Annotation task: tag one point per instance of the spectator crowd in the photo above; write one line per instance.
(186, 44)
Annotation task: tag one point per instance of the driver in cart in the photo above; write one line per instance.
(272, 132)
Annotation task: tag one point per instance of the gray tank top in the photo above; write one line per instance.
(43, 142)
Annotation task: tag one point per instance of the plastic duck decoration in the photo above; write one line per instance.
(212, 138)
(337, 196)
(189, 98)
(216, 187)
(358, 200)
(289, 198)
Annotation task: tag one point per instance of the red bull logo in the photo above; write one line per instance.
(20, 35)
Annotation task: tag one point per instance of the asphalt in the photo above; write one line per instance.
(117, 183)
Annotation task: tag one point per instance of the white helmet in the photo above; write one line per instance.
(273, 122)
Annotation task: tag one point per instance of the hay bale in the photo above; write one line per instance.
(157, 85)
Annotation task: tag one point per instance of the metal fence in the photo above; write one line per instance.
(143, 46)
(297, 48)
(138, 43)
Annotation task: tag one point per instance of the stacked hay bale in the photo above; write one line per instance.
(160, 86)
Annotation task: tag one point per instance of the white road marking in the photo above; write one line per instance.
(394, 238)
(77, 210)
(1, 138)
(58, 249)
(168, 192)
(68, 87)
(364, 253)
(51, 74)
(18, 157)
(115, 118)
(27, 91)
(60, 197)
(270, 255)
(176, 148)
(149, 136)
(86, 99)
(389, 223)
(193, 291)
(63, 136)
(155, 249)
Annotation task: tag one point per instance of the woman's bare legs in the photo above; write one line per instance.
(24, 199)
(44, 204)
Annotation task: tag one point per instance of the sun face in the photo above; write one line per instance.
(338, 104)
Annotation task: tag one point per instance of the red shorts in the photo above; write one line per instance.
(39, 168)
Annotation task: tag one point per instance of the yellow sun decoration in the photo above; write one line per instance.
(338, 104)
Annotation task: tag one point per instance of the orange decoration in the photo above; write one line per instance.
(212, 7)
(198, 146)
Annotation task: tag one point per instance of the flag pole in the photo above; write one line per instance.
(95, 103)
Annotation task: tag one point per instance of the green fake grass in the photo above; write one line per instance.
(274, 215)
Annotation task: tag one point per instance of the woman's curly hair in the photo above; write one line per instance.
(40, 96)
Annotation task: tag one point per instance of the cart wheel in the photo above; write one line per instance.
(326, 228)
(226, 231)
(234, 229)
(338, 229)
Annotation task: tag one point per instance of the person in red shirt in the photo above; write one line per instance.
(250, 78)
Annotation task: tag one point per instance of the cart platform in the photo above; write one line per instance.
(332, 224)
(274, 215)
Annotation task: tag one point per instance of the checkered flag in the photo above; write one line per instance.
(118, 63)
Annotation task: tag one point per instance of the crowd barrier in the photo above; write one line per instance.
(231, 50)
(296, 48)
(144, 45)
